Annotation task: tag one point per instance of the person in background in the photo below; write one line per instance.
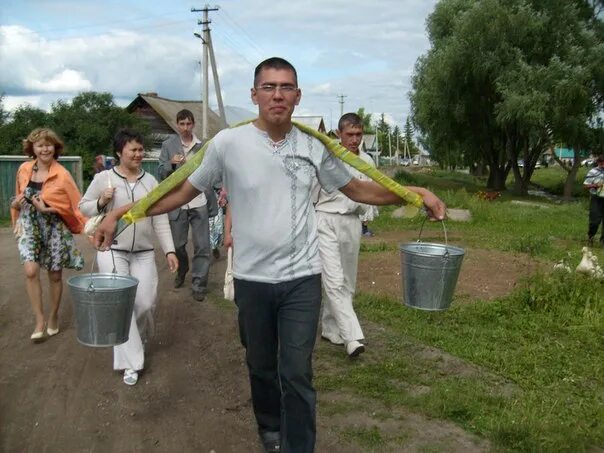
(132, 250)
(99, 164)
(365, 231)
(339, 227)
(45, 214)
(594, 182)
(270, 169)
(217, 223)
(175, 151)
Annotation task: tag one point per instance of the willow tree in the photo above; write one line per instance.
(491, 88)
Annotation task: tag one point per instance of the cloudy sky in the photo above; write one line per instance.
(366, 51)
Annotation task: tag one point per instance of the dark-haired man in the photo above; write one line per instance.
(339, 227)
(270, 169)
(175, 151)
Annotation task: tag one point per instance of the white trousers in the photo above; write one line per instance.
(142, 266)
(339, 241)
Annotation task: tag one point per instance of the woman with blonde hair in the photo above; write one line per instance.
(45, 213)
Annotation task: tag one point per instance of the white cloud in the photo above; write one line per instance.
(364, 51)
(66, 81)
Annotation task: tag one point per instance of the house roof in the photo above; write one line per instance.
(368, 141)
(316, 122)
(168, 108)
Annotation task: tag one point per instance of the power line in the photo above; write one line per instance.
(244, 33)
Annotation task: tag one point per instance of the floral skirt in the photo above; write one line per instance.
(46, 240)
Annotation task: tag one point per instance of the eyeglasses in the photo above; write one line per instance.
(271, 88)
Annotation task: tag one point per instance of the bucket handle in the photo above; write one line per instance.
(91, 288)
(419, 239)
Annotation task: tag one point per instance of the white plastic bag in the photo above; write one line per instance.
(93, 222)
(229, 284)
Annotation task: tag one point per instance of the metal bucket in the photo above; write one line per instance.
(102, 305)
(429, 273)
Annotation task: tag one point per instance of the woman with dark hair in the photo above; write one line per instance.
(132, 251)
(45, 214)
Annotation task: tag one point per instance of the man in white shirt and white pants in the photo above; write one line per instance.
(339, 227)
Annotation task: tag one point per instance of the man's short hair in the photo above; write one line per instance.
(185, 114)
(274, 63)
(123, 137)
(600, 158)
(349, 119)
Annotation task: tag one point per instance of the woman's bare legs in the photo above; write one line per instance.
(34, 291)
(55, 283)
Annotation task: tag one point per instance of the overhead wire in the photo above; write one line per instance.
(243, 32)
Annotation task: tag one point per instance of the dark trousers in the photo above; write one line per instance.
(596, 216)
(278, 327)
(200, 233)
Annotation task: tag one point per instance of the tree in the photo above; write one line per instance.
(506, 77)
(23, 120)
(86, 124)
(366, 120)
(383, 135)
(413, 150)
(4, 115)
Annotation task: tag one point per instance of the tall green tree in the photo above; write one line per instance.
(413, 149)
(383, 135)
(504, 78)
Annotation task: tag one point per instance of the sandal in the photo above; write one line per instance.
(130, 376)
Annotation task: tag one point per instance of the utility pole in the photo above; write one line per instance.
(341, 101)
(217, 83)
(205, 87)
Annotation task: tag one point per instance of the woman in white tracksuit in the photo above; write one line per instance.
(132, 250)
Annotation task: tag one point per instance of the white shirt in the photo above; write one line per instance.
(338, 203)
(270, 192)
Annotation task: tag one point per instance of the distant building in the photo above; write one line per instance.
(315, 122)
(160, 114)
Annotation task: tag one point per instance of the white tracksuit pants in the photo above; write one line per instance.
(142, 266)
(339, 241)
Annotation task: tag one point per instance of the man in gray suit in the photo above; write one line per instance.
(175, 151)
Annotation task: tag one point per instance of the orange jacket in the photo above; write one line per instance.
(59, 191)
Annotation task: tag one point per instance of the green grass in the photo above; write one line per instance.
(552, 180)
(525, 371)
(550, 232)
(545, 342)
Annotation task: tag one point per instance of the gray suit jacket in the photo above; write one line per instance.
(169, 148)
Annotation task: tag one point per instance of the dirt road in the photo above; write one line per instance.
(60, 396)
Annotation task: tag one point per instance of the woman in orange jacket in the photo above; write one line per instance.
(45, 214)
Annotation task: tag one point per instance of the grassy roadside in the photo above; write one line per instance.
(532, 363)
(540, 351)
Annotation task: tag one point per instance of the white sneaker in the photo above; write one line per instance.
(354, 348)
(130, 376)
